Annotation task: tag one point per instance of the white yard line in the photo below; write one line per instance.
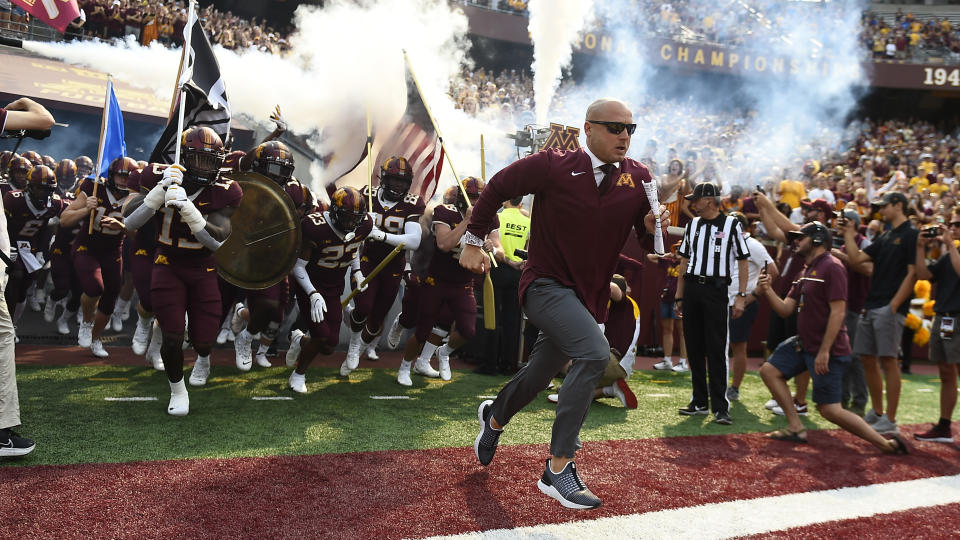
(749, 516)
(135, 398)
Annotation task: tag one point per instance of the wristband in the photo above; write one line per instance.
(471, 239)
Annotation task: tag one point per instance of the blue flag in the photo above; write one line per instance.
(112, 143)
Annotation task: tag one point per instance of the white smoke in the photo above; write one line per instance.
(753, 122)
(346, 58)
(553, 26)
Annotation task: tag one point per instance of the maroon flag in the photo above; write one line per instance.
(56, 13)
(416, 140)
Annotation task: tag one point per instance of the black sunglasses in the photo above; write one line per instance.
(955, 223)
(616, 127)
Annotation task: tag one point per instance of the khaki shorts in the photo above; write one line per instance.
(944, 351)
(879, 332)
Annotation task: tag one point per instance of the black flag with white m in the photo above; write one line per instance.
(204, 94)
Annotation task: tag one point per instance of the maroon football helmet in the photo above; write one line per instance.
(396, 176)
(84, 166)
(5, 158)
(17, 171)
(473, 186)
(203, 155)
(33, 157)
(347, 209)
(41, 183)
(49, 161)
(118, 172)
(274, 160)
(66, 172)
(232, 161)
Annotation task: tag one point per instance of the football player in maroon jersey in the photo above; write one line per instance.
(29, 213)
(331, 244)
(395, 215)
(265, 309)
(61, 265)
(96, 251)
(448, 289)
(191, 208)
(17, 170)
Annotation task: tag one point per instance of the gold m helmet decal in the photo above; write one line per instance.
(562, 137)
(625, 180)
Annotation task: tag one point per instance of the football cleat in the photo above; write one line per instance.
(236, 320)
(153, 350)
(293, 352)
(353, 354)
(424, 368)
(371, 352)
(179, 399)
(85, 334)
(262, 360)
(444, 359)
(50, 310)
(63, 324)
(116, 322)
(242, 344)
(96, 347)
(403, 376)
(141, 336)
(298, 383)
(200, 372)
(394, 335)
(222, 336)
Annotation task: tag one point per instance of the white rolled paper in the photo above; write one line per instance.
(654, 198)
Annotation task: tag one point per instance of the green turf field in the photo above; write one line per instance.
(64, 409)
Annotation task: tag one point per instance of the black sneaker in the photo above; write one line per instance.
(485, 444)
(722, 417)
(567, 487)
(13, 445)
(692, 409)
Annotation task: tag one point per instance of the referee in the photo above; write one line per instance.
(711, 243)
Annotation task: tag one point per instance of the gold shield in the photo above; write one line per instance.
(265, 239)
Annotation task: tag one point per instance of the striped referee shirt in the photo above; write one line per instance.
(709, 244)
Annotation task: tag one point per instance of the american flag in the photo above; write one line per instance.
(416, 140)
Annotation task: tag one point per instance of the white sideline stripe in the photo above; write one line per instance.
(272, 398)
(924, 389)
(656, 395)
(135, 398)
(747, 516)
(389, 397)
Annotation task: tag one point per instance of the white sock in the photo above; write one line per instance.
(121, 306)
(608, 391)
(427, 352)
(263, 349)
(203, 359)
(178, 387)
(405, 364)
(67, 315)
(666, 358)
(444, 350)
(683, 360)
(248, 335)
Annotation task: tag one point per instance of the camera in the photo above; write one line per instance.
(522, 253)
(932, 231)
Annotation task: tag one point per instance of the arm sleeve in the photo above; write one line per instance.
(203, 236)
(300, 274)
(410, 237)
(139, 217)
(528, 175)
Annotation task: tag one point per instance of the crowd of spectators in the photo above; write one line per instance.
(907, 36)
(760, 23)
(160, 21)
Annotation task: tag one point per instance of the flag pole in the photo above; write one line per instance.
(103, 130)
(489, 299)
(191, 16)
(369, 163)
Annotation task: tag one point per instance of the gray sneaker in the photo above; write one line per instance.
(733, 394)
(871, 417)
(567, 488)
(485, 444)
(884, 425)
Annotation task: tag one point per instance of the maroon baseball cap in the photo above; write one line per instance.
(820, 204)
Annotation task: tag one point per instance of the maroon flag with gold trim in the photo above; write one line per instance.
(56, 13)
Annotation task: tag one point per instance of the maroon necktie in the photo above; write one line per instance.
(607, 181)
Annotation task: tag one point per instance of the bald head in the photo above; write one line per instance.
(606, 106)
